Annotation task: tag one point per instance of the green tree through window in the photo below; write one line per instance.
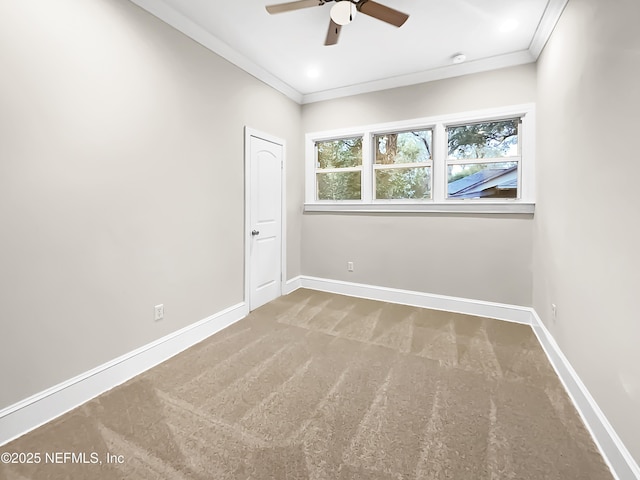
(339, 169)
(483, 140)
(403, 165)
(491, 145)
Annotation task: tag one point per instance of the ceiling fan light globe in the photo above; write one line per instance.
(343, 12)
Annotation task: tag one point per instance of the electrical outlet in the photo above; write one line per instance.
(350, 266)
(159, 312)
(554, 312)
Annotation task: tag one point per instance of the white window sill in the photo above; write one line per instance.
(463, 207)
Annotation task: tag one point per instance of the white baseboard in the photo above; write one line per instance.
(511, 313)
(620, 461)
(24, 416)
(39, 409)
(291, 285)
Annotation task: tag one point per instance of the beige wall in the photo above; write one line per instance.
(509, 86)
(121, 184)
(478, 257)
(587, 226)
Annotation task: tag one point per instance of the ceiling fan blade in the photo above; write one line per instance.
(333, 33)
(287, 7)
(382, 12)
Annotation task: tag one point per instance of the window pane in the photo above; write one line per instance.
(343, 153)
(339, 186)
(489, 180)
(397, 183)
(484, 140)
(404, 147)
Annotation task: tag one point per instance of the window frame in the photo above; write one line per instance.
(398, 166)
(474, 161)
(439, 201)
(359, 168)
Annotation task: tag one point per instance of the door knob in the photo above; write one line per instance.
(255, 232)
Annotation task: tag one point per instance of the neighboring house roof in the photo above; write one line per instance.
(490, 178)
(513, 183)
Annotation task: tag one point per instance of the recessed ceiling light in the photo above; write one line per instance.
(458, 58)
(509, 25)
(313, 72)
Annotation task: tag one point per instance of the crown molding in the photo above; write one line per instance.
(548, 22)
(177, 20)
(180, 22)
(449, 71)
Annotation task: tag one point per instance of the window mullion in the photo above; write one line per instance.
(367, 168)
(338, 170)
(439, 172)
(400, 166)
(471, 161)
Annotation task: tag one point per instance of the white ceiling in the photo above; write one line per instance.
(371, 55)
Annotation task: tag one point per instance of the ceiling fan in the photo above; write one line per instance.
(343, 12)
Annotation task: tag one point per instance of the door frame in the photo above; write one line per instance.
(248, 133)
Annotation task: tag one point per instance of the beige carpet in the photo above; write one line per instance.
(321, 386)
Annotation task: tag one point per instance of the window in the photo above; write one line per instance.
(483, 160)
(402, 167)
(435, 164)
(339, 169)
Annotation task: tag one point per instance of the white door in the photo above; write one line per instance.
(265, 220)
